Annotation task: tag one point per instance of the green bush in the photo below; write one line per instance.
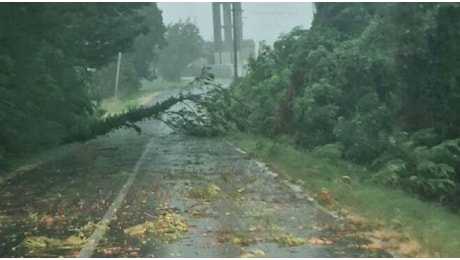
(316, 114)
(428, 171)
(366, 85)
(331, 151)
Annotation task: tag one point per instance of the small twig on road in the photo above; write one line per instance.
(148, 215)
(194, 205)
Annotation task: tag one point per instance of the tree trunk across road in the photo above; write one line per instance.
(161, 194)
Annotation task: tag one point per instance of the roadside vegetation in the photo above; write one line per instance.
(53, 79)
(410, 227)
(380, 90)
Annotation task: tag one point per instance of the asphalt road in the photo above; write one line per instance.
(161, 194)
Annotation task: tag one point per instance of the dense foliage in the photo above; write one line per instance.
(377, 81)
(45, 50)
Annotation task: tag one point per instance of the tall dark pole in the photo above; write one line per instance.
(235, 50)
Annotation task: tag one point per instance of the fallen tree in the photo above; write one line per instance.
(205, 114)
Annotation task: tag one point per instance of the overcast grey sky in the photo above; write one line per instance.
(261, 20)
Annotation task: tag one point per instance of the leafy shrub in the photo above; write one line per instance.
(391, 173)
(428, 171)
(365, 136)
(424, 137)
(331, 151)
(316, 113)
(262, 103)
(433, 179)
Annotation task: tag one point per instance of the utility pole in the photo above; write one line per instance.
(228, 34)
(236, 8)
(118, 74)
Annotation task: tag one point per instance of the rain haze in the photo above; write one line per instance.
(229, 129)
(262, 21)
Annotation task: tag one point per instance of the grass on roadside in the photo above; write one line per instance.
(435, 229)
(17, 164)
(116, 105)
(159, 84)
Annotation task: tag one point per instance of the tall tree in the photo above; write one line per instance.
(184, 45)
(145, 45)
(45, 49)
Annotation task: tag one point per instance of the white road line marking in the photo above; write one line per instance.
(102, 226)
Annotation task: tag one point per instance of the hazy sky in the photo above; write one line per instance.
(261, 20)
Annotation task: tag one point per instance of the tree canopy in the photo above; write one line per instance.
(379, 81)
(184, 45)
(45, 50)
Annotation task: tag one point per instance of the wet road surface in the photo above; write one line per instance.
(161, 194)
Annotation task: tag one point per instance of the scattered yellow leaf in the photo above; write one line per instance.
(213, 189)
(318, 241)
(246, 255)
(47, 220)
(410, 246)
(236, 240)
(343, 212)
(324, 197)
(288, 240)
(168, 225)
(259, 253)
(372, 246)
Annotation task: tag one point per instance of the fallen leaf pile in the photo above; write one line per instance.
(168, 225)
(213, 189)
(34, 244)
(254, 253)
(324, 197)
(318, 241)
(242, 239)
(208, 192)
(288, 240)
